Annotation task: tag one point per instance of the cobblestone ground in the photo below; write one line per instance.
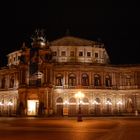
(115, 128)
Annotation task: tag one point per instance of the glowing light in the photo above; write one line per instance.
(79, 95)
(119, 103)
(32, 107)
(10, 103)
(108, 103)
(1, 103)
(42, 43)
(66, 102)
(95, 102)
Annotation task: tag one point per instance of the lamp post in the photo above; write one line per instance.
(79, 96)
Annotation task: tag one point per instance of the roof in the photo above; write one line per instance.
(72, 41)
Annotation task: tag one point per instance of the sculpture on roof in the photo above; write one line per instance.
(39, 35)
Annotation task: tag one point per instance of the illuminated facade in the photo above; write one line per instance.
(42, 80)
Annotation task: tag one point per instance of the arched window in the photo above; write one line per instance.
(85, 100)
(59, 80)
(128, 80)
(108, 105)
(130, 105)
(97, 80)
(72, 80)
(59, 100)
(3, 82)
(72, 107)
(85, 79)
(108, 81)
(72, 100)
(97, 100)
(59, 107)
(11, 84)
(108, 101)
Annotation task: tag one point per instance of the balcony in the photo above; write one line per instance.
(128, 87)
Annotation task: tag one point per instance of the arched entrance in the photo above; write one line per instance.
(97, 106)
(72, 107)
(108, 106)
(129, 105)
(85, 106)
(59, 107)
(32, 107)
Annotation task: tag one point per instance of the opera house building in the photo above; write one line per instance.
(65, 76)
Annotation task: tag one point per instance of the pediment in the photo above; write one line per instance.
(72, 41)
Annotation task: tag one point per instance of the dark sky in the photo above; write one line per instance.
(115, 23)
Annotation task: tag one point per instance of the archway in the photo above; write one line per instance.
(72, 107)
(129, 105)
(85, 106)
(32, 107)
(97, 106)
(108, 106)
(59, 107)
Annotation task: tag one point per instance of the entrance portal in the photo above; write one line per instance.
(32, 109)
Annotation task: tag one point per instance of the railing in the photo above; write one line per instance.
(128, 87)
(97, 87)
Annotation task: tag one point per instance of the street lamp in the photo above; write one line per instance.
(79, 96)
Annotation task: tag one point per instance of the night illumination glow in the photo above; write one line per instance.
(66, 102)
(32, 107)
(108, 103)
(119, 103)
(1, 104)
(79, 95)
(10, 103)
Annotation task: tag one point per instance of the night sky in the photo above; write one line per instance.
(116, 24)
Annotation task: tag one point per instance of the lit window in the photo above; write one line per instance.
(72, 80)
(18, 57)
(11, 83)
(54, 53)
(97, 80)
(59, 80)
(96, 55)
(85, 79)
(88, 54)
(128, 80)
(63, 53)
(107, 81)
(71, 53)
(80, 53)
